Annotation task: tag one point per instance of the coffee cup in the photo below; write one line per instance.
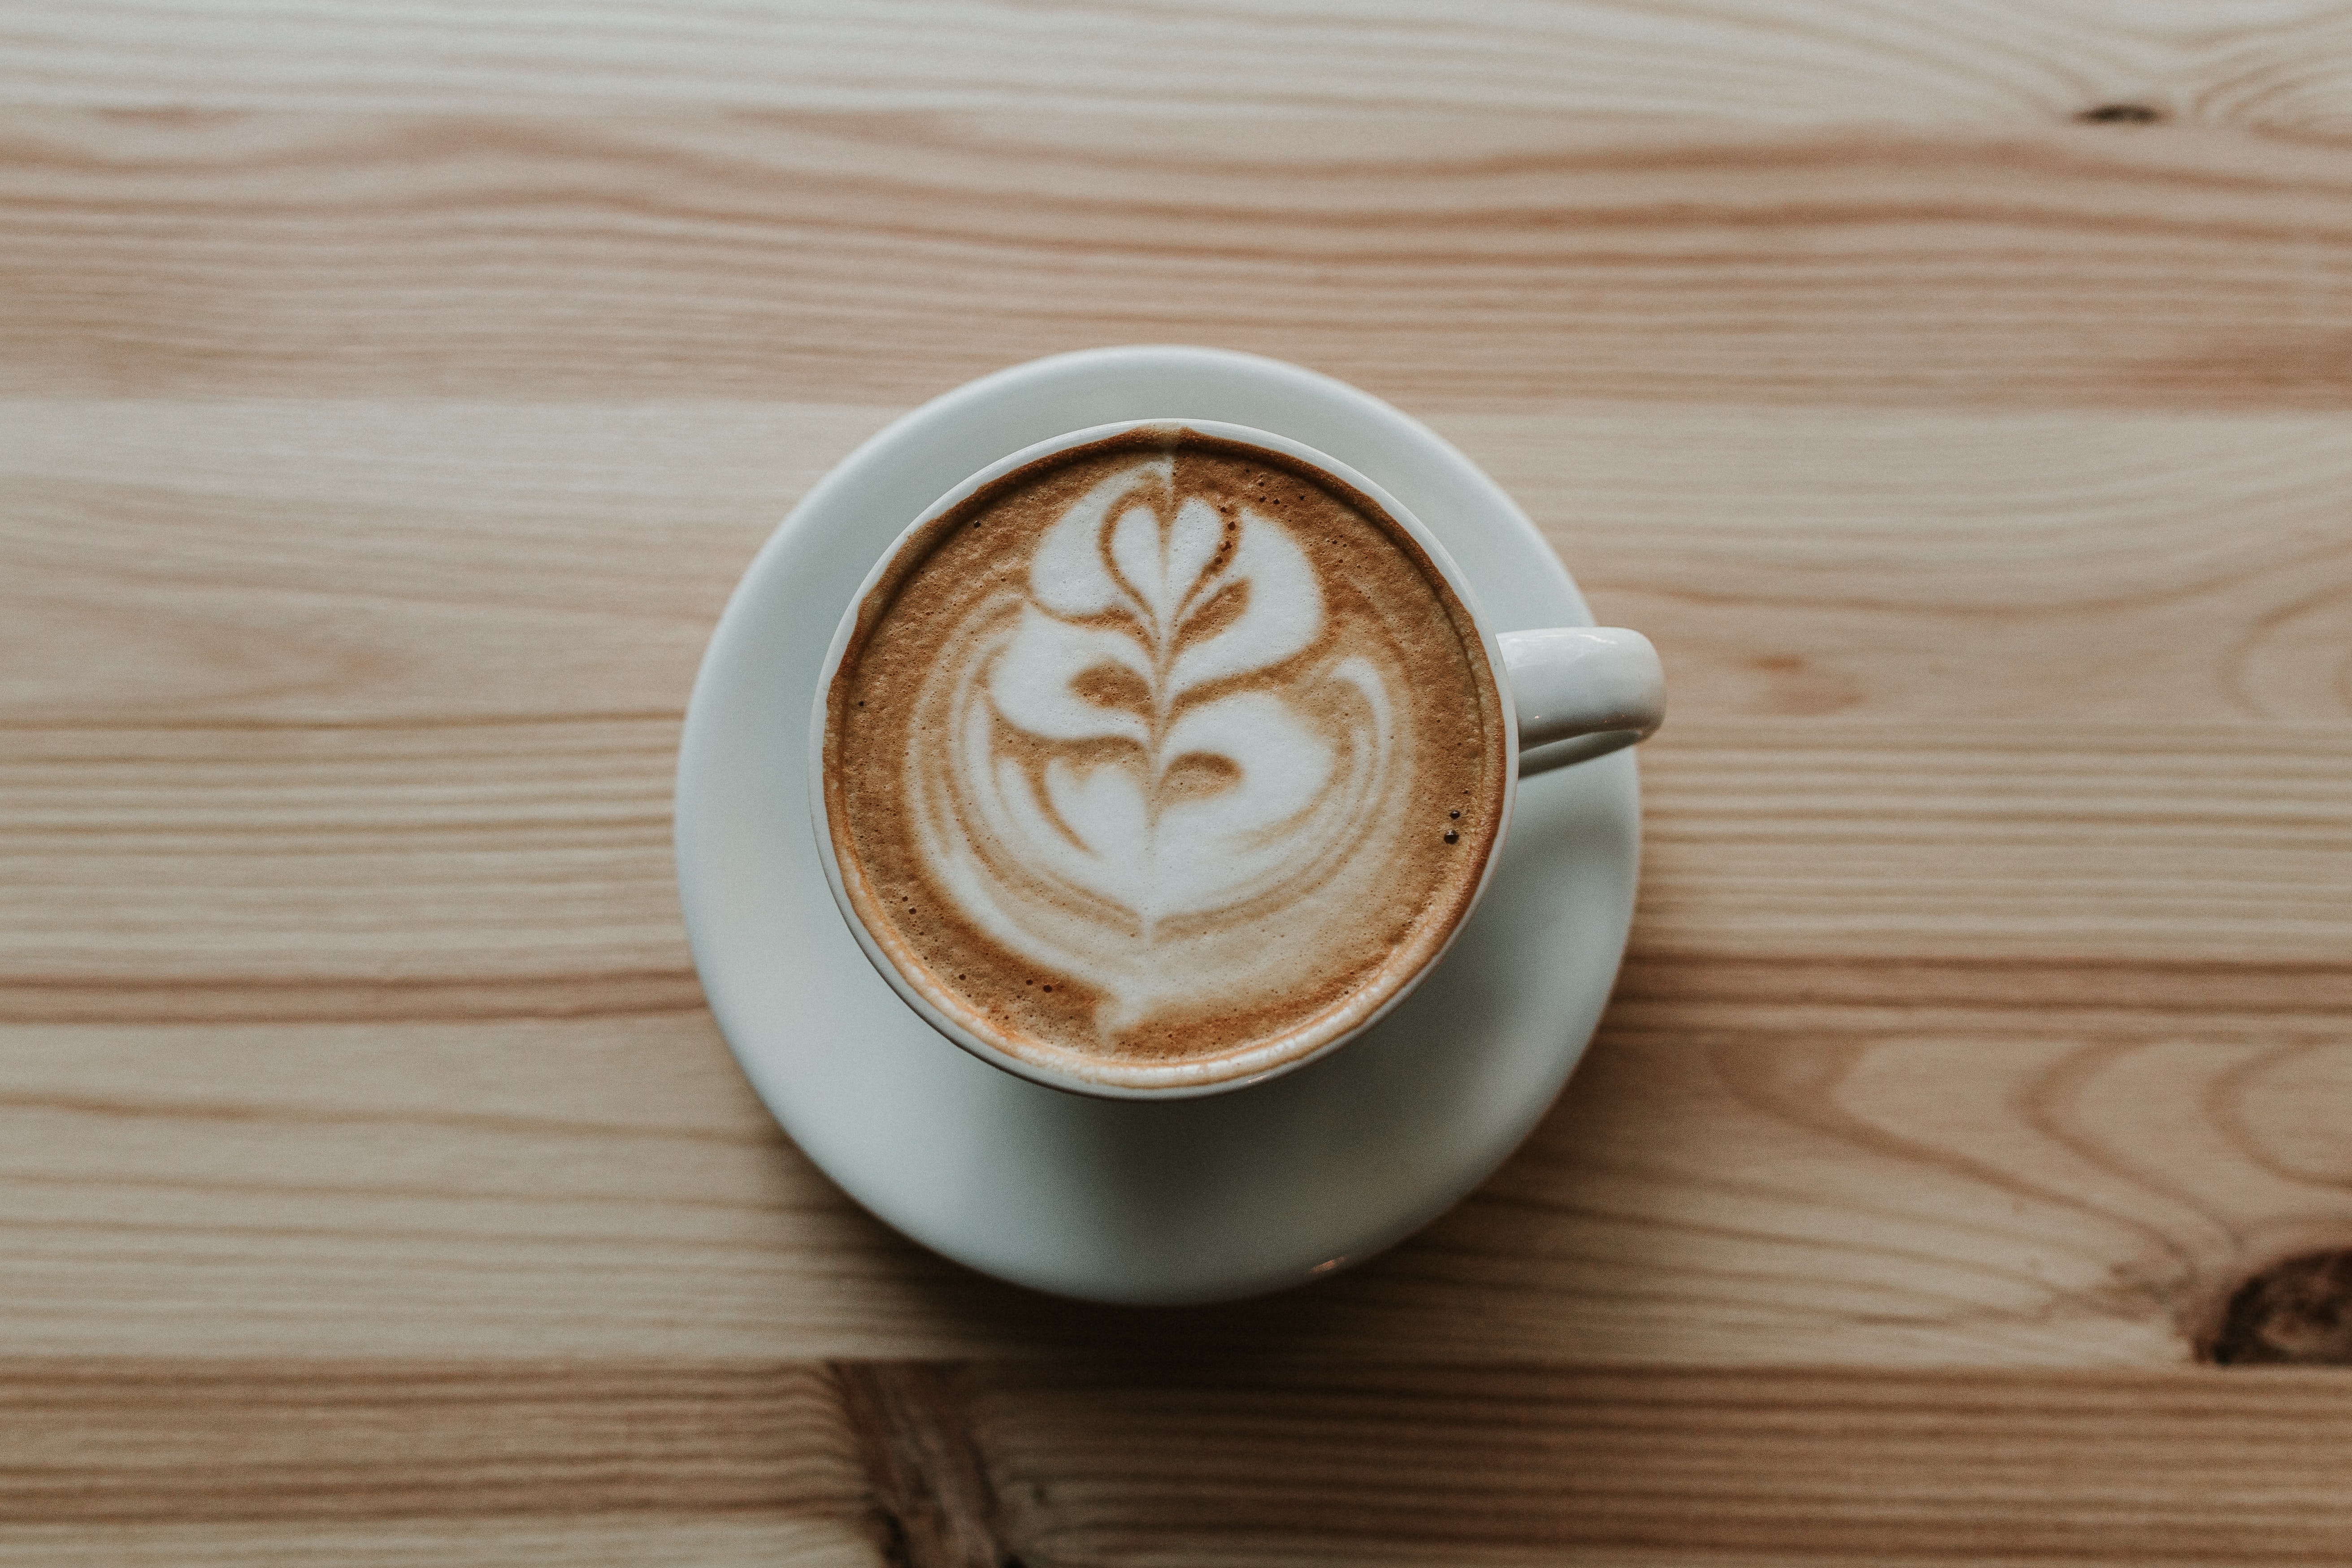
(1160, 758)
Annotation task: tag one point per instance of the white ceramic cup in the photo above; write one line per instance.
(1569, 694)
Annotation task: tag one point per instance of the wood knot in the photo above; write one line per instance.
(2297, 1311)
(933, 1499)
(2121, 114)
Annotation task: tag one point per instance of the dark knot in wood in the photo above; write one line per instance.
(934, 1505)
(2121, 114)
(2296, 1312)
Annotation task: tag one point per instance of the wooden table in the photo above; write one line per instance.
(1957, 393)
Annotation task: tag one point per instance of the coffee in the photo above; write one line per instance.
(1162, 760)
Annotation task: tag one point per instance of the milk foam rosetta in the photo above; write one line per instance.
(1150, 754)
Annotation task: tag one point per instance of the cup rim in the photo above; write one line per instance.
(1180, 1080)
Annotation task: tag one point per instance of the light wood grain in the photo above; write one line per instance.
(1996, 1176)
(389, 398)
(2278, 64)
(734, 1541)
(812, 256)
(143, 1442)
(1096, 1463)
(1665, 1468)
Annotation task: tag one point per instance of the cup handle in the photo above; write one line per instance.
(1581, 692)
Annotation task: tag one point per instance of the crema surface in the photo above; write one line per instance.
(1162, 760)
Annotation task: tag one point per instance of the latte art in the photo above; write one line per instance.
(1126, 776)
(1166, 753)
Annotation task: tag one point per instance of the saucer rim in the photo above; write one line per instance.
(1118, 1268)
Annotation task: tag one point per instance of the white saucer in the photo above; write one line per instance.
(1194, 1200)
